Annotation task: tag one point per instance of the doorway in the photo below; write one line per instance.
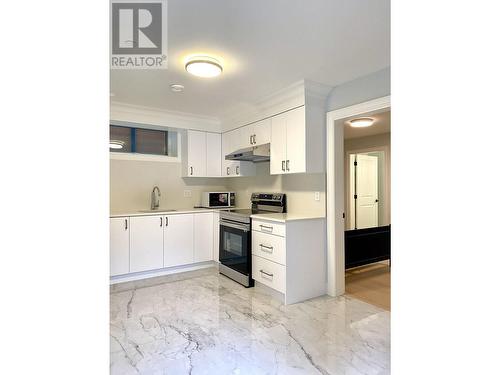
(359, 203)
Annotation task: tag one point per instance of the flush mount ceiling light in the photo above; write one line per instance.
(203, 66)
(176, 88)
(116, 145)
(362, 122)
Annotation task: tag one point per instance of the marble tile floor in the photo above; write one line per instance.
(208, 324)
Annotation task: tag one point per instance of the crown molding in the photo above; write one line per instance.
(124, 112)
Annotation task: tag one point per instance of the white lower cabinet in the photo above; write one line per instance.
(146, 243)
(269, 247)
(178, 247)
(290, 257)
(216, 236)
(203, 237)
(269, 273)
(119, 245)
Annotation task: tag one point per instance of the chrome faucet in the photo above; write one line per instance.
(155, 198)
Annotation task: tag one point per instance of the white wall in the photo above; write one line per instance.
(131, 183)
(371, 86)
(299, 189)
(363, 143)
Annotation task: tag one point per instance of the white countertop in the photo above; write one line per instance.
(283, 218)
(165, 211)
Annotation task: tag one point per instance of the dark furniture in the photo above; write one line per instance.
(365, 246)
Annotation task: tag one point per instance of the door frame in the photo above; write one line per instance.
(347, 169)
(335, 210)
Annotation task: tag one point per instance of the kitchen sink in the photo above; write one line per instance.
(158, 210)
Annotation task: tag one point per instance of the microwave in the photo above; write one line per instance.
(214, 199)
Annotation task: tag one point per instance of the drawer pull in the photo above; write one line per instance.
(269, 248)
(265, 273)
(266, 227)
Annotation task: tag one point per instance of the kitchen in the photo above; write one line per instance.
(188, 237)
(198, 187)
(218, 225)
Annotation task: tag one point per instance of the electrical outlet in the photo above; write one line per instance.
(316, 195)
(187, 194)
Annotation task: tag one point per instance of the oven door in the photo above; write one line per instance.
(235, 246)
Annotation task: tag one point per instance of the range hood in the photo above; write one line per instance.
(255, 154)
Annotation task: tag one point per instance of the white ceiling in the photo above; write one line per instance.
(265, 45)
(382, 124)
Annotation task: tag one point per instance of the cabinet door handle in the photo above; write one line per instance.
(254, 141)
(166, 221)
(237, 169)
(266, 273)
(262, 247)
(126, 224)
(266, 227)
(161, 221)
(227, 171)
(283, 165)
(288, 165)
(191, 170)
(251, 142)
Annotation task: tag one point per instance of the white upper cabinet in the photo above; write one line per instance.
(214, 162)
(201, 154)
(296, 141)
(203, 237)
(255, 134)
(119, 245)
(146, 243)
(278, 144)
(262, 132)
(231, 142)
(196, 153)
(178, 248)
(289, 139)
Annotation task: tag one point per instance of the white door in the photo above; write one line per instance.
(203, 237)
(214, 155)
(278, 144)
(178, 240)
(366, 191)
(295, 141)
(146, 243)
(197, 153)
(262, 132)
(119, 245)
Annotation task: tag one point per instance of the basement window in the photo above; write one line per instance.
(132, 140)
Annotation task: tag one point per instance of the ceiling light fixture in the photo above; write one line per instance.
(176, 88)
(116, 145)
(204, 66)
(362, 122)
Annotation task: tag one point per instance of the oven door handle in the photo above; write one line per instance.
(244, 228)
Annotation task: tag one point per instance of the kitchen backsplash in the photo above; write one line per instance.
(131, 183)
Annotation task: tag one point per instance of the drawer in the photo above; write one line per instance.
(269, 227)
(269, 247)
(269, 273)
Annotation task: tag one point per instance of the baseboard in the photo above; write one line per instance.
(160, 272)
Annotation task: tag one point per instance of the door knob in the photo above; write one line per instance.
(376, 200)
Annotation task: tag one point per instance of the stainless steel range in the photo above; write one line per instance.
(235, 249)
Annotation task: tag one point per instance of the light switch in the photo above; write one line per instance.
(316, 195)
